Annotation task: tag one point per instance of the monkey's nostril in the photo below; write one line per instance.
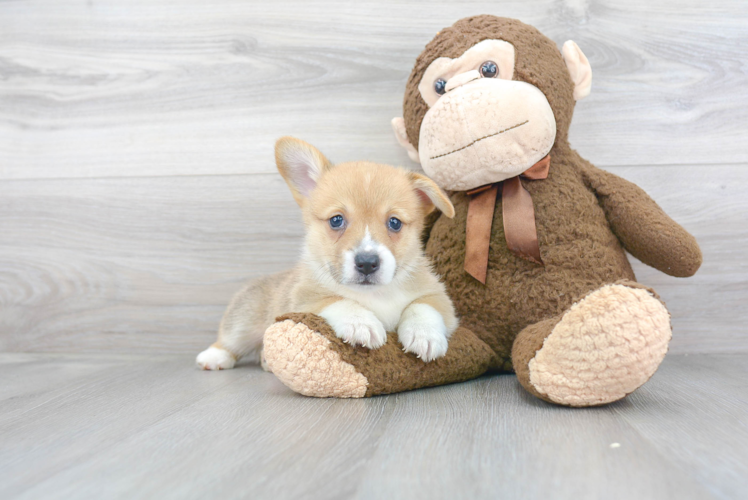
(366, 263)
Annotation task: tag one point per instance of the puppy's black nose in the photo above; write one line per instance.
(366, 263)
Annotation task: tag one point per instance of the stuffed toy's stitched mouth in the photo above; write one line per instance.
(480, 139)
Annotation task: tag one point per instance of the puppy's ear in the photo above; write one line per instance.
(431, 195)
(301, 165)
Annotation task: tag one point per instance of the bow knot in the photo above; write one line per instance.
(519, 220)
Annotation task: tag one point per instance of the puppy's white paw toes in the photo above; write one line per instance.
(355, 325)
(368, 332)
(422, 331)
(214, 358)
(424, 341)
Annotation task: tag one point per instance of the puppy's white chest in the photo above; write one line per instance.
(387, 307)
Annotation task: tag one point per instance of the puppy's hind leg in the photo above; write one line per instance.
(241, 329)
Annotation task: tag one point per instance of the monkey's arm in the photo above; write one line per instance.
(643, 227)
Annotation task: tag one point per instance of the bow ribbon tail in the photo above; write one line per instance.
(519, 221)
(478, 233)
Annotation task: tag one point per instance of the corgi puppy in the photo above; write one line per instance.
(362, 266)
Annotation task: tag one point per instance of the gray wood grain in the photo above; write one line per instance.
(697, 392)
(149, 264)
(497, 441)
(156, 427)
(30, 380)
(137, 185)
(182, 88)
(106, 272)
(76, 421)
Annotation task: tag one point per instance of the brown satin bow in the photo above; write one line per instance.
(519, 220)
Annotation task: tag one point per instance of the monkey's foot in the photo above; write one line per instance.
(305, 361)
(603, 347)
(306, 355)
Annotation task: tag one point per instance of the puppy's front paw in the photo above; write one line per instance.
(361, 330)
(355, 325)
(422, 332)
(214, 358)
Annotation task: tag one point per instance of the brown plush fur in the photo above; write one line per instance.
(585, 217)
(388, 369)
(528, 342)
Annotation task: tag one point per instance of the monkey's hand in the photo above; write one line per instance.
(643, 227)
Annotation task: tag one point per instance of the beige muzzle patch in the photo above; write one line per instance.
(485, 131)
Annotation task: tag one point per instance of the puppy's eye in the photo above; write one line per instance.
(489, 69)
(440, 86)
(394, 224)
(336, 221)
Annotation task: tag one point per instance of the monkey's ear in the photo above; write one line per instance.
(579, 69)
(431, 195)
(301, 165)
(398, 125)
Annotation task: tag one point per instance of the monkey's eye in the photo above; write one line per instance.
(394, 224)
(336, 221)
(489, 69)
(440, 86)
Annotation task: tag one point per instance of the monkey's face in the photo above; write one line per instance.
(480, 121)
(482, 126)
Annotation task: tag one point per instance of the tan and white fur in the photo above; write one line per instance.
(365, 277)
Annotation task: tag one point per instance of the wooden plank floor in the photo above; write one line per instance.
(127, 426)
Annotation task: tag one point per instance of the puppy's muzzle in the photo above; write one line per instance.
(366, 263)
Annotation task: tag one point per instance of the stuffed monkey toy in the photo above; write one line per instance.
(534, 258)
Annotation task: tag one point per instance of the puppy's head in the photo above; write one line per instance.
(364, 220)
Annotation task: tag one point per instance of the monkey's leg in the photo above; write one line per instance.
(304, 353)
(601, 349)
